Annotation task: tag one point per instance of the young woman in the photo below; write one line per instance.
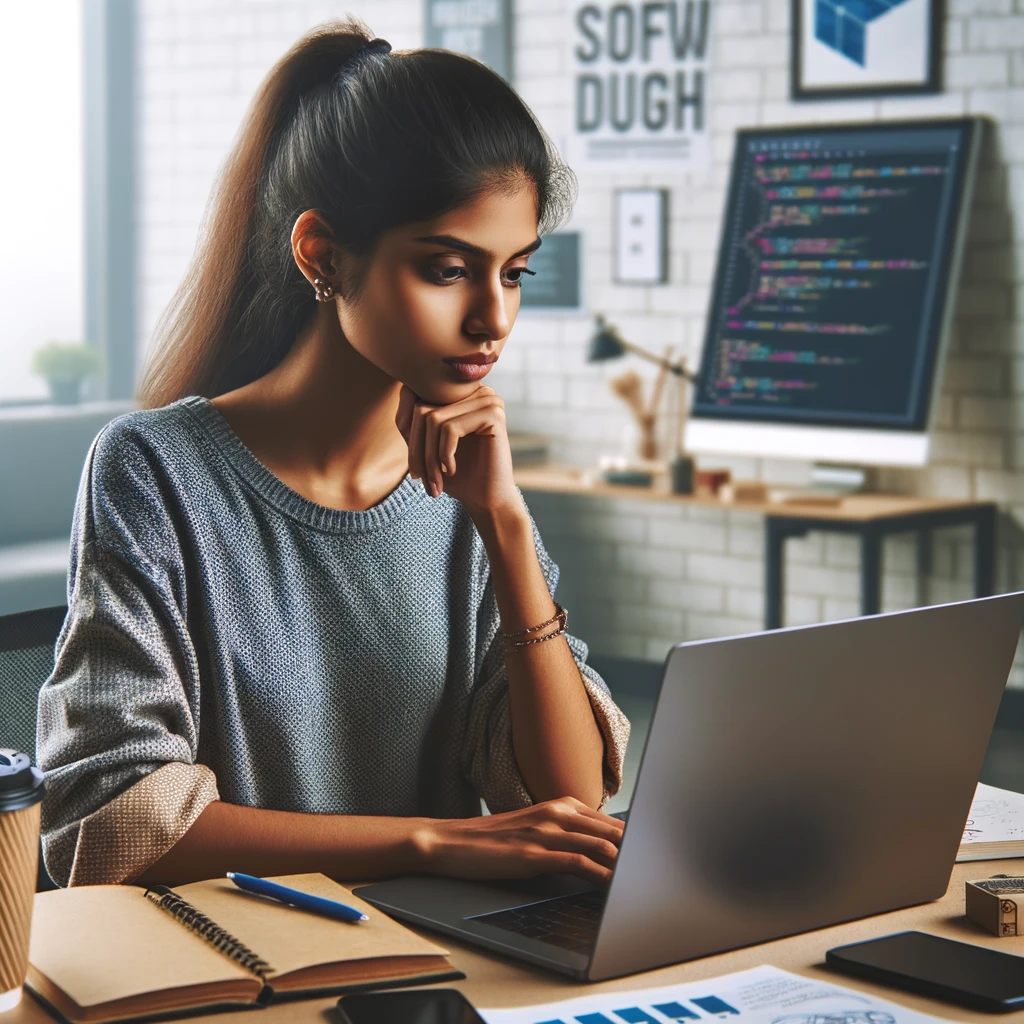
(310, 619)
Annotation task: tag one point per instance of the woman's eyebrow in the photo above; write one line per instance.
(475, 250)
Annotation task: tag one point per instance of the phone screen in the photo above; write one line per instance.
(957, 971)
(420, 1006)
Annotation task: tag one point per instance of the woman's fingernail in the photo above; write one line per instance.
(444, 468)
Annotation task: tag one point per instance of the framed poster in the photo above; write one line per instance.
(641, 236)
(557, 288)
(481, 29)
(867, 48)
(638, 75)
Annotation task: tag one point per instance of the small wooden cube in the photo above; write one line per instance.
(992, 903)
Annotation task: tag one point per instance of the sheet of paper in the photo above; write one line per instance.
(763, 995)
(997, 816)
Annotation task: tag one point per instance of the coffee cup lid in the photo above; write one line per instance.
(21, 783)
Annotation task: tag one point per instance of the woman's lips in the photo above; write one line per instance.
(470, 369)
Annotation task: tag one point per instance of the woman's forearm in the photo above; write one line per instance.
(229, 837)
(557, 836)
(555, 737)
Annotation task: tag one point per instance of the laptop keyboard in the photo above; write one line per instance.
(569, 922)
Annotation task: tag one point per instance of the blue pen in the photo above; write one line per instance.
(319, 905)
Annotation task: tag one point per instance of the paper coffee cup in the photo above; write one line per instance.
(21, 793)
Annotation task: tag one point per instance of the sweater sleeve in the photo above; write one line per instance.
(119, 715)
(489, 759)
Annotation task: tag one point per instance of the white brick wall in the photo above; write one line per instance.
(638, 575)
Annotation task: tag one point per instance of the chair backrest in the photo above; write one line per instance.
(26, 661)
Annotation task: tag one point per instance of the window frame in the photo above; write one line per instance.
(109, 31)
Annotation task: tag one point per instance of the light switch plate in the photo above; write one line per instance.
(640, 236)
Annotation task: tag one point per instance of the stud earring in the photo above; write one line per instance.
(324, 289)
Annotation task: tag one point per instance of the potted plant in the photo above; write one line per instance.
(65, 365)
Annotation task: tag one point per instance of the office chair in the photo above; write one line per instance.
(26, 661)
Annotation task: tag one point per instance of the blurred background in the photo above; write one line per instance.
(120, 114)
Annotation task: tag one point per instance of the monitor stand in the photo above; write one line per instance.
(829, 479)
(828, 486)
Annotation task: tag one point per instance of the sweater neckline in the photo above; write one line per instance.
(404, 497)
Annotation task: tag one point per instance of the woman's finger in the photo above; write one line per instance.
(431, 461)
(474, 402)
(447, 444)
(416, 442)
(573, 816)
(570, 805)
(609, 831)
(560, 862)
(601, 851)
(406, 404)
(482, 420)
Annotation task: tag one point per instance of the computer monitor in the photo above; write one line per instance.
(834, 291)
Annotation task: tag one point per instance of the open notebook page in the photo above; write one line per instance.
(104, 942)
(290, 939)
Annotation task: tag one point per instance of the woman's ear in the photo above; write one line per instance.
(315, 251)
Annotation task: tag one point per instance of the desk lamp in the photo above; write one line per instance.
(606, 343)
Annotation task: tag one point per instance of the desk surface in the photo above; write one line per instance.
(855, 508)
(493, 981)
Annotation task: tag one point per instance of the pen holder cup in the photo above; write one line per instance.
(681, 471)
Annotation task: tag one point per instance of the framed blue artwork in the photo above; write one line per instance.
(849, 48)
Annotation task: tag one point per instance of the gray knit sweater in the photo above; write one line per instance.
(228, 638)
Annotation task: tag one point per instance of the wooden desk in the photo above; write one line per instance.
(871, 517)
(492, 981)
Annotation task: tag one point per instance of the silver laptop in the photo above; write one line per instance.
(791, 780)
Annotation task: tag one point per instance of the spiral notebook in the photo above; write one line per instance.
(110, 952)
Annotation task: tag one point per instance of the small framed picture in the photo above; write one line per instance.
(558, 284)
(479, 30)
(843, 49)
(641, 236)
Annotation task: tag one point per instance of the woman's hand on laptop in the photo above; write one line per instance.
(557, 836)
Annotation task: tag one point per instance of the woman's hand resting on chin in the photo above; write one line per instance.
(555, 837)
(460, 448)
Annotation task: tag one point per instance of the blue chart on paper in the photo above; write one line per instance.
(659, 1013)
(716, 1006)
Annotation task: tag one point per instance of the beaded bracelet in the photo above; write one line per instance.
(560, 616)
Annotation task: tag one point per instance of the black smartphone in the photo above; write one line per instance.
(957, 972)
(411, 1006)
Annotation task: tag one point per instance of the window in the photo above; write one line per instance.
(67, 103)
(42, 184)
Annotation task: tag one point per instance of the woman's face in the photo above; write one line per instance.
(439, 297)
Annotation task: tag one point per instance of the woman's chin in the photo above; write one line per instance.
(443, 392)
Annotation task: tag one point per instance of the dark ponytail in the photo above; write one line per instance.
(368, 139)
